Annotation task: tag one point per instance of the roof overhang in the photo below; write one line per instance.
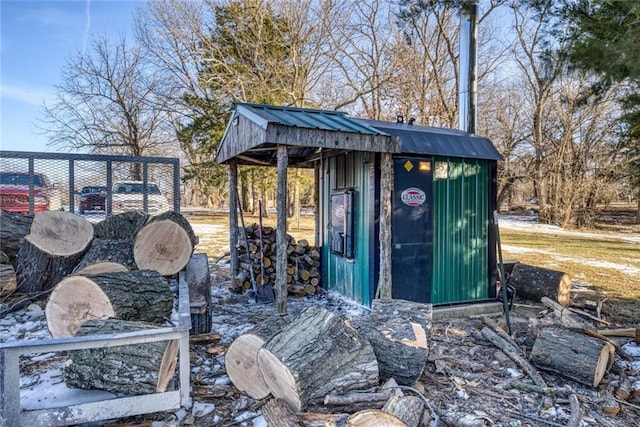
(255, 131)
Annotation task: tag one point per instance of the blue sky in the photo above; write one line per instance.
(36, 39)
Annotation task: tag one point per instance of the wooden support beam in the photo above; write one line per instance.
(281, 231)
(386, 185)
(233, 215)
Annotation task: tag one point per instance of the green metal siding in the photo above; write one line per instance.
(349, 277)
(461, 226)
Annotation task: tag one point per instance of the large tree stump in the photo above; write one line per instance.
(241, 358)
(107, 256)
(164, 244)
(129, 369)
(317, 353)
(13, 228)
(123, 226)
(398, 331)
(533, 283)
(574, 355)
(52, 249)
(140, 295)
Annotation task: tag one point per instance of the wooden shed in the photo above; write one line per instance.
(403, 210)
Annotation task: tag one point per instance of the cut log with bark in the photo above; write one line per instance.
(314, 419)
(8, 281)
(165, 244)
(374, 417)
(278, 413)
(407, 408)
(316, 354)
(241, 358)
(122, 226)
(398, 331)
(139, 295)
(128, 369)
(571, 354)
(56, 243)
(533, 283)
(13, 229)
(107, 256)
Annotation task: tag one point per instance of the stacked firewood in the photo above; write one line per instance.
(303, 262)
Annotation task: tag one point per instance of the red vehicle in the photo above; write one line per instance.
(14, 192)
(92, 198)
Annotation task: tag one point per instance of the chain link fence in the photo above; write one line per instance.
(94, 186)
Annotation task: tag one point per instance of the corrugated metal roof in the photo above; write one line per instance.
(307, 118)
(416, 139)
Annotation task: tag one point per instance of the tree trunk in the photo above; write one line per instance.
(123, 226)
(579, 357)
(165, 244)
(374, 417)
(241, 358)
(128, 369)
(533, 283)
(398, 331)
(107, 256)
(52, 249)
(13, 228)
(314, 355)
(140, 295)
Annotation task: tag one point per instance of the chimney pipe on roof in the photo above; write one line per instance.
(467, 95)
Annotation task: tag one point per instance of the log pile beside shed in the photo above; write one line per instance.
(303, 262)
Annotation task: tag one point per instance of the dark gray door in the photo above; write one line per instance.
(412, 229)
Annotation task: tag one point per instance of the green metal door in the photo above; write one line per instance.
(461, 193)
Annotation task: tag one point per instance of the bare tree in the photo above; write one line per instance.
(107, 103)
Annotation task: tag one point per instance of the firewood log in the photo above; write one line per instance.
(107, 256)
(129, 369)
(8, 281)
(374, 417)
(317, 353)
(13, 228)
(312, 419)
(140, 295)
(533, 283)
(122, 226)
(241, 359)
(407, 408)
(398, 331)
(571, 354)
(277, 413)
(165, 244)
(52, 249)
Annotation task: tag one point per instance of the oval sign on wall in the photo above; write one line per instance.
(413, 196)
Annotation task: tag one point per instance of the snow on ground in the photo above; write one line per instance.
(529, 223)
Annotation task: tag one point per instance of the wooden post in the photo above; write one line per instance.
(386, 187)
(281, 231)
(233, 216)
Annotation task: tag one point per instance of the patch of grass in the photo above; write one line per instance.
(598, 261)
